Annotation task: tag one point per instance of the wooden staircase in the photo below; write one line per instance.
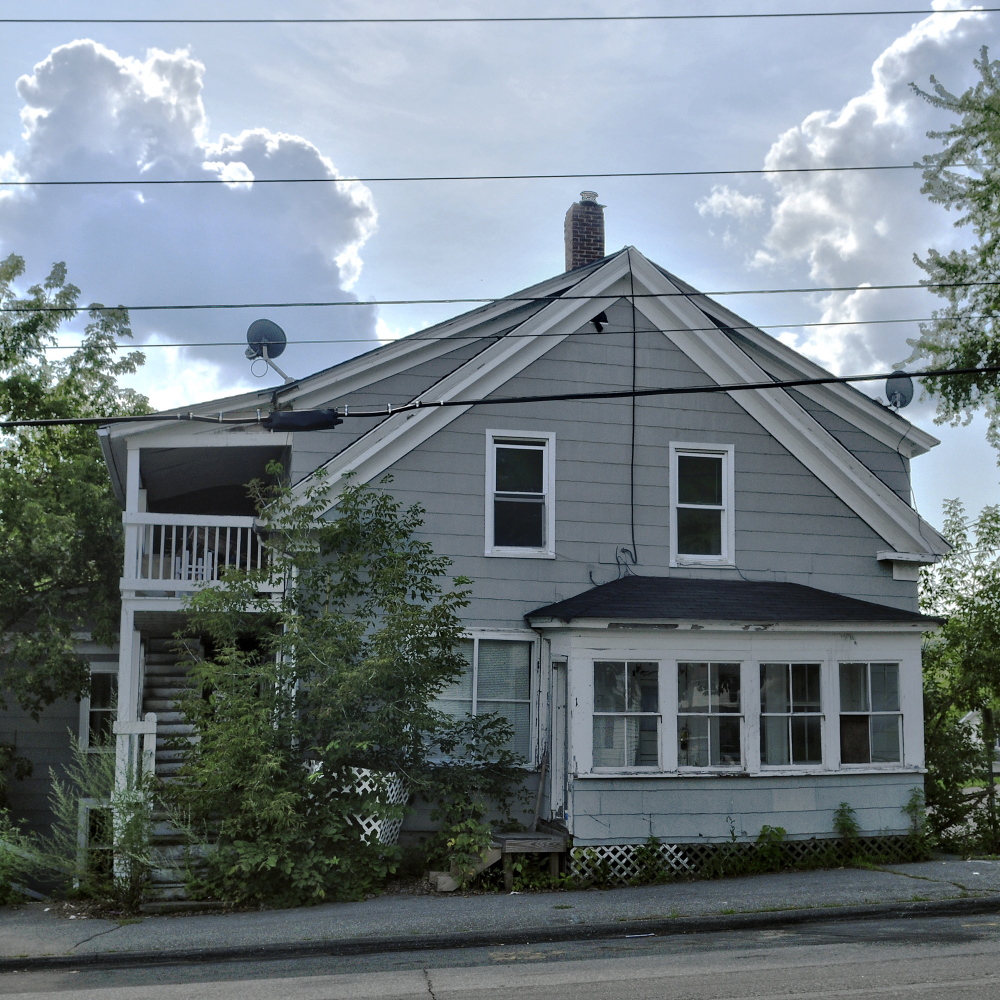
(166, 681)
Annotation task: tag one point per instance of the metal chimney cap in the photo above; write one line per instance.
(588, 196)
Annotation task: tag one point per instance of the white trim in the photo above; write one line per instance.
(534, 680)
(728, 554)
(373, 453)
(900, 713)
(105, 667)
(786, 421)
(856, 408)
(547, 440)
(709, 625)
(749, 650)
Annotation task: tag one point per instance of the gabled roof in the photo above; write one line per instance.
(655, 598)
(519, 329)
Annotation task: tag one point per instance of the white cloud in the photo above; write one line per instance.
(723, 201)
(859, 228)
(387, 334)
(90, 112)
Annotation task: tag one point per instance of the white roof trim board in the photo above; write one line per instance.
(680, 311)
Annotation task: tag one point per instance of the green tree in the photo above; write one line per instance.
(962, 669)
(965, 176)
(338, 674)
(60, 527)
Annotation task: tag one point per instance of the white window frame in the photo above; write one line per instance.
(95, 668)
(726, 452)
(745, 766)
(658, 715)
(789, 715)
(872, 765)
(548, 442)
(533, 681)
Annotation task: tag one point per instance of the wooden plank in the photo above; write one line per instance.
(532, 845)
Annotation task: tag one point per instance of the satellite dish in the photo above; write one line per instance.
(265, 334)
(899, 390)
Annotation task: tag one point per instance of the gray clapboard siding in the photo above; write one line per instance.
(886, 463)
(315, 448)
(686, 809)
(789, 525)
(889, 465)
(46, 744)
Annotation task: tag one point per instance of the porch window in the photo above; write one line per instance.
(791, 721)
(626, 714)
(520, 517)
(709, 719)
(702, 504)
(497, 681)
(870, 719)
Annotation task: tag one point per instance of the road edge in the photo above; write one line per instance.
(645, 926)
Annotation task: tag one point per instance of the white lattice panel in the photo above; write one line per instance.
(619, 864)
(389, 790)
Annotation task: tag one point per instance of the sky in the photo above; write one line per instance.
(240, 102)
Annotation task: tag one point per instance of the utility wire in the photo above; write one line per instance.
(168, 182)
(459, 338)
(683, 390)
(540, 19)
(485, 300)
(389, 409)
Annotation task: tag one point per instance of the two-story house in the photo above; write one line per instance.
(699, 611)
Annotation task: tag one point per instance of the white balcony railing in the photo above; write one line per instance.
(182, 552)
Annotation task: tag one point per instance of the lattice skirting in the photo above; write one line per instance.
(629, 864)
(390, 790)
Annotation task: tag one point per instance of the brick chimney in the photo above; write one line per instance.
(584, 229)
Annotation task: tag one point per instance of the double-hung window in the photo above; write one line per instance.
(709, 715)
(626, 714)
(520, 513)
(99, 710)
(791, 721)
(497, 681)
(701, 490)
(870, 720)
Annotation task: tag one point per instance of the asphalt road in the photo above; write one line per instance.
(948, 957)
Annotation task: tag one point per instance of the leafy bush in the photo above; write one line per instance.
(339, 673)
(19, 859)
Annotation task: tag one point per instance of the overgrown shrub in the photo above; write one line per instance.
(19, 859)
(99, 844)
(339, 673)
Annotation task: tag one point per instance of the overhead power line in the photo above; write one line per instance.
(458, 338)
(598, 175)
(486, 300)
(539, 19)
(683, 390)
(388, 409)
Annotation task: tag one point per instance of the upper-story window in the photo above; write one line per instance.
(701, 491)
(520, 512)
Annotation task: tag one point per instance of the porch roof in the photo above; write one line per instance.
(641, 598)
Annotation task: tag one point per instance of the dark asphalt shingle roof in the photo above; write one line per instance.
(637, 598)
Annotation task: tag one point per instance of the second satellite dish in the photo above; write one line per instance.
(265, 333)
(899, 390)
